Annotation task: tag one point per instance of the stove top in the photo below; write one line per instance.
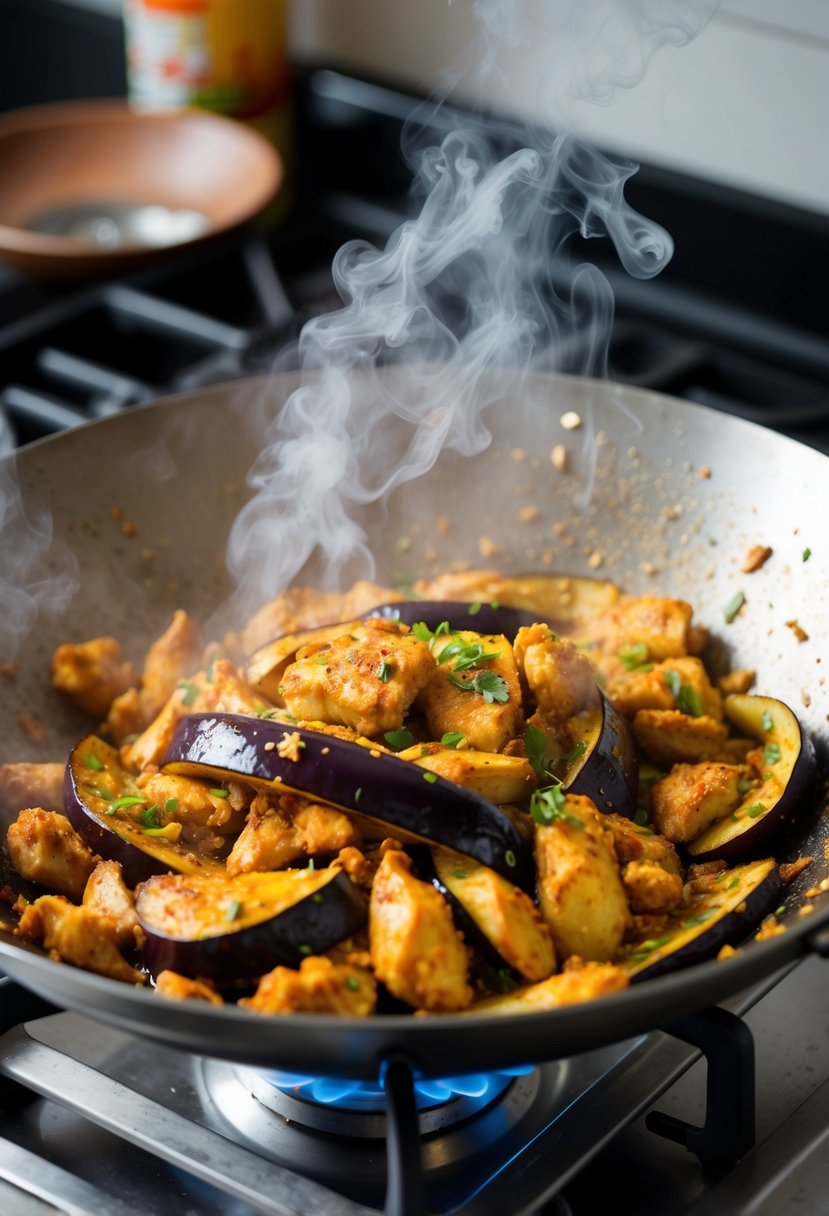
(93, 1120)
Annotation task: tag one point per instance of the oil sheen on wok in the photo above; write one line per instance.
(490, 795)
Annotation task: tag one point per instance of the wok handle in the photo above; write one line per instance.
(404, 1175)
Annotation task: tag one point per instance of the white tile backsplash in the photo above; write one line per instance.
(746, 103)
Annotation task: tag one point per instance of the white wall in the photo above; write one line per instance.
(746, 103)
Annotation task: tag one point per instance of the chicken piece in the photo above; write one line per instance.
(739, 680)
(93, 674)
(585, 982)
(366, 679)
(45, 848)
(320, 986)
(561, 679)
(170, 658)
(670, 737)
(551, 597)
(151, 744)
(28, 784)
(190, 800)
(82, 936)
(276, 836)
(302, 608)
(107, 893)
(482, 701)
(693, 796)
(662, 626)
(580, 890)
(673, 684)
(651, 872)
(416, 951)
(359, 868)
(181, 988)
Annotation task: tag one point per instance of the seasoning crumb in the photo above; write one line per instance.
(487, 547)
(798, 631)
(648, 568)
(705, 472)
(571, 421)
(527, 515)
(129, 527)
(270, 745)
(791, 869)
(756, 557)
(116, 514)
(738, 681)
(518, 455)
(805, 910)
(728, 952)
(8, 671)
(442, 525)
(403, 544)
(805, 698)
(595, 559)
(559, 458)
(673, 512)
(32, 727)
(290, 746)
(148, 554)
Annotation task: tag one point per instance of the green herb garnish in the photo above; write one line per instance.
(94, 763)
(733, 606)
(767, 721)
(352, 984)
(430, 777)
(771, 753)
(634, 657)
(548, 806)
(190, 690)
(492, 687)
(233, 909)
(806, 554)
(453, 738)
(385, 671)
(399, 740)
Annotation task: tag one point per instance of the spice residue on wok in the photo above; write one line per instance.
(498, 795)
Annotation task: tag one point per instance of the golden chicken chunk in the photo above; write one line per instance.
(580, 890)
(674, 684)
(275, 836)
(319, 986)
(660, 626)
(107, 893)
(416, 951)
(576, 983)
(477, 697)
(82, 936)
(693, 796)
(561, 680)
(670, 737)
(93, 674)
(45, 848)
(170, 658)
(24, 784)
(366, 679)
(651, 872)
(177, 987)
(190, 800)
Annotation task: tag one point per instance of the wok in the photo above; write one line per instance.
(177, 468)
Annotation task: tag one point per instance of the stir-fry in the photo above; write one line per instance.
(488, 796)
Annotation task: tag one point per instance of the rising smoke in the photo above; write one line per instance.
(461, 300)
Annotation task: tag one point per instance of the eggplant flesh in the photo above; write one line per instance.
(104, 805)
(733, 906)
(237, 928)
(416, 804)
(788, 772)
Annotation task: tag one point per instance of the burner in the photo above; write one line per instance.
(349, 1107)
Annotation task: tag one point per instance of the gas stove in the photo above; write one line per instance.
(727, 1111)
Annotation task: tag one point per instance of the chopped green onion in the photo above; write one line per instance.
(733, 606)
(474, 608)
(233, 909)
(430, 777)
(303, 949)
(385, 671)
(191, 691)
(92, 761)
(126, 800)
(453, 738)
(634, 656)
(509, 858)
(767, 721)
(771, 753)
(806, 554)
(699, 919)
(754, 811)
(352, 984)
(219, 793)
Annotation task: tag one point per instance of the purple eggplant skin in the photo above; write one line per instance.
(608, 771)
(701, 937)
(460, 615)
(312, 925)
(413, 802)
(785, 794)
(118, 839)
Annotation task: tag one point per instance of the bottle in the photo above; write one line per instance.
(229, 56)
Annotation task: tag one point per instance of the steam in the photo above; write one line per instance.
(462, 302)
(39, 572)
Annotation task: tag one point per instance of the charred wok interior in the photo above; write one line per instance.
(179, 1098)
